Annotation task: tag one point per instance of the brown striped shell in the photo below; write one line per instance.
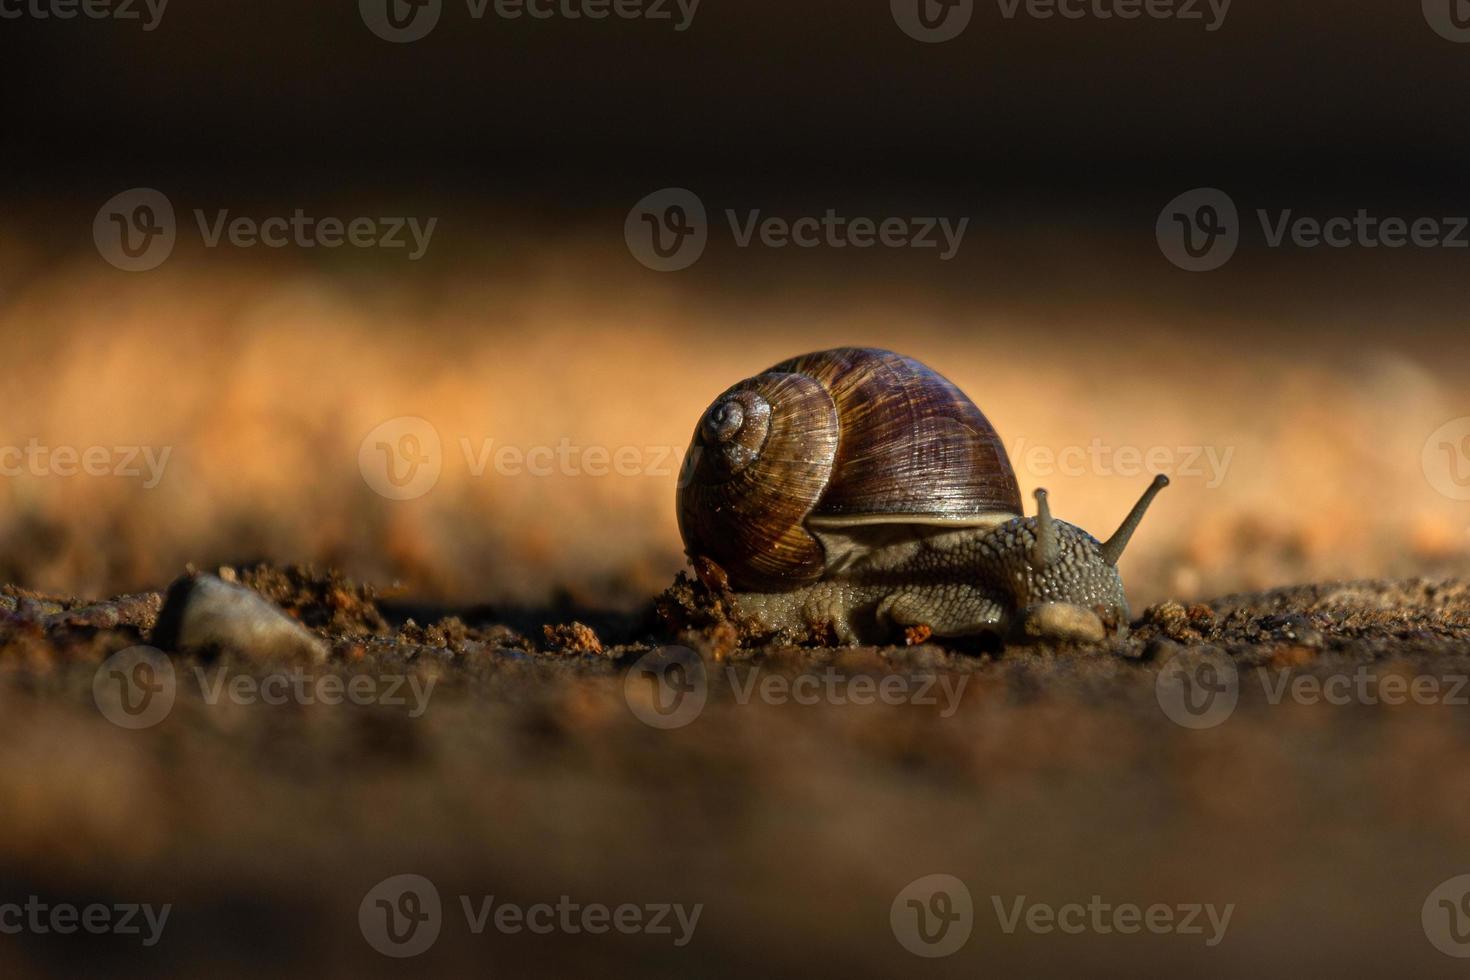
(831, 439)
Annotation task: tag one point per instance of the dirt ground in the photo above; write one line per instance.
(528, 772)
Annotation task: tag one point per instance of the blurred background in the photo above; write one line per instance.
(1292, 392)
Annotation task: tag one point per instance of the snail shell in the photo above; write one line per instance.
(836, 438)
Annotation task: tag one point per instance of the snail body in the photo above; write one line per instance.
(853, 493)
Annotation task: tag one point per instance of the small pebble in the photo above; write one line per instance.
(1295, 628)
(1064, 621)
(573, 638)
(203, 613)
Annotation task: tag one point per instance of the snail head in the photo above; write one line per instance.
(1052, 561)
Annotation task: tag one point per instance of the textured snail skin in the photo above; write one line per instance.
(955, 582)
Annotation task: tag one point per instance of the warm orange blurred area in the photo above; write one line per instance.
(563, 395)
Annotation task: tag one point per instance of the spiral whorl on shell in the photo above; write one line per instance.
(844, 436)
(760, 459)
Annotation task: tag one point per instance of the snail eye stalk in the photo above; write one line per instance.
(1112, 550)
(1046, 534)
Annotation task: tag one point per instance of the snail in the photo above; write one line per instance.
(856, 495)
